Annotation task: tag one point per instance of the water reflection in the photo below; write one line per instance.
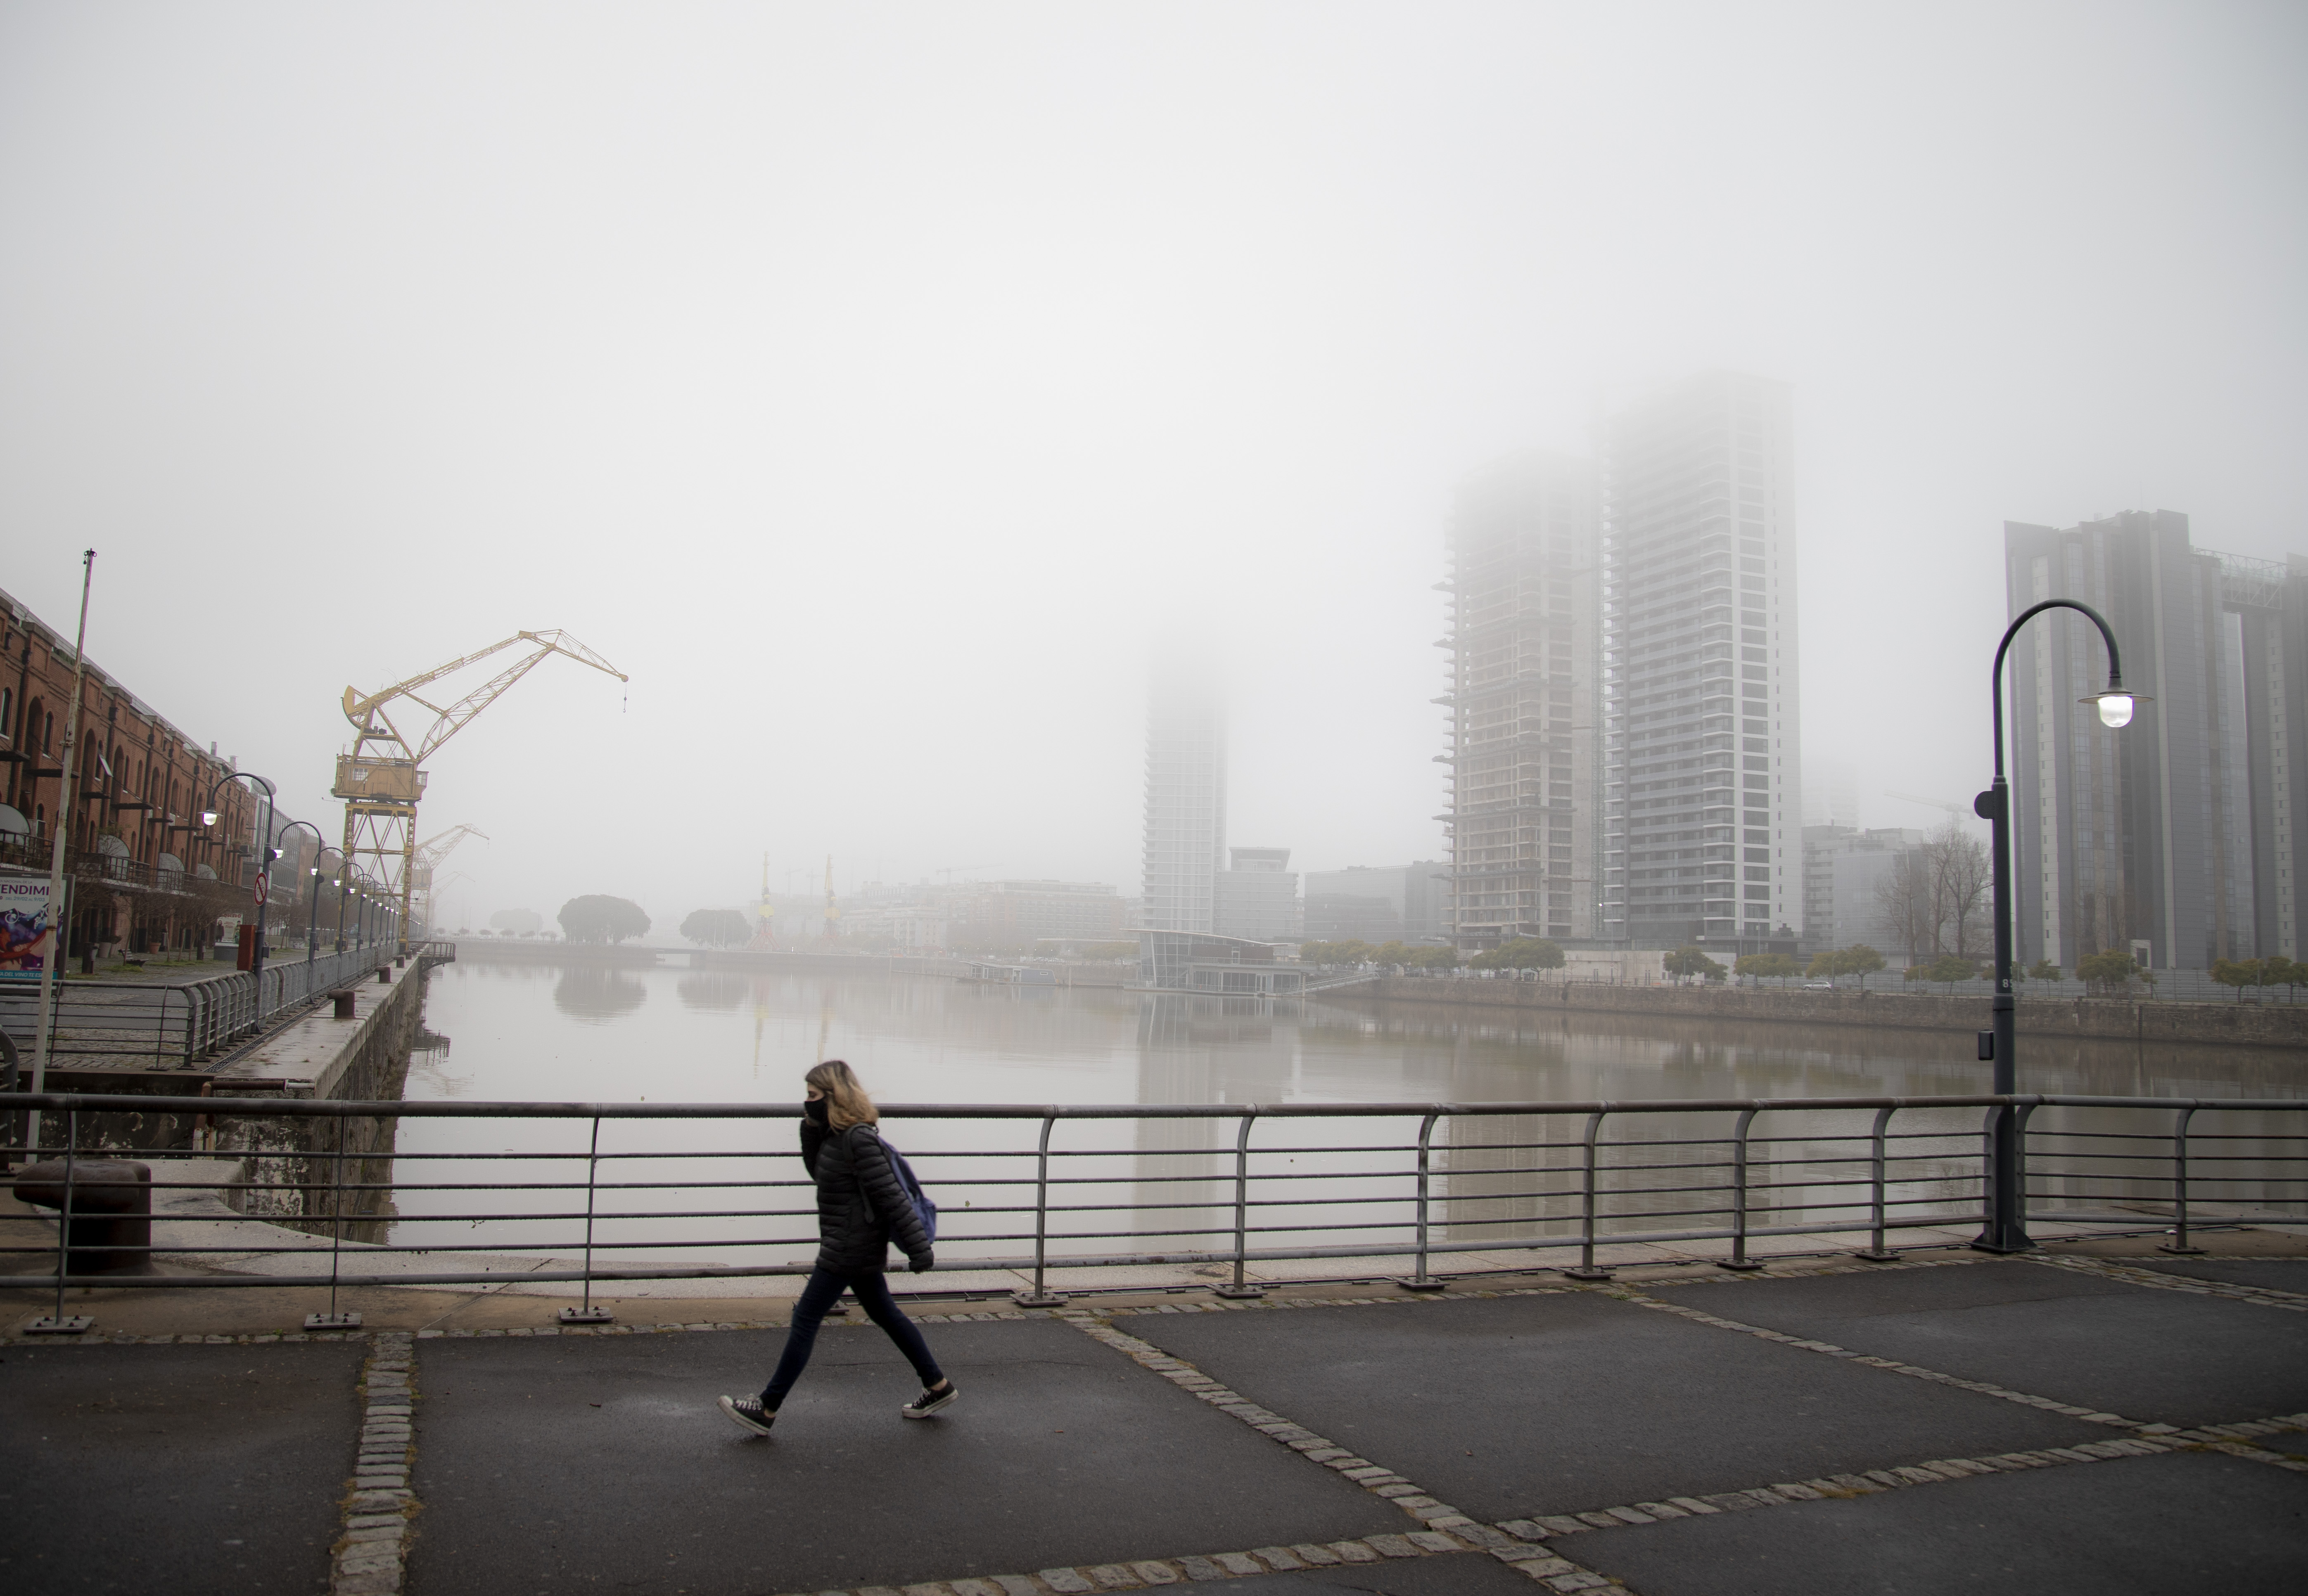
(714, 988)
(596, 995)
(1169, 1184)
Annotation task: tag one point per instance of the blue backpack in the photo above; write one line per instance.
(923, 1202)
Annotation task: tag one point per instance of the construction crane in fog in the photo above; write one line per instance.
(1956, 811)
(383, 777)
(429, 853)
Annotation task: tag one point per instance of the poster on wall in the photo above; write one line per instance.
(23, 929)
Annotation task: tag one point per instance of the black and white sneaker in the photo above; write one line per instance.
(930, 1402)
(748, 1414)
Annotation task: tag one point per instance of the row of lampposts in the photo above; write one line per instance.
(376, 913)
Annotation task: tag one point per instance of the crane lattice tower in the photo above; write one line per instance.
(383, 777)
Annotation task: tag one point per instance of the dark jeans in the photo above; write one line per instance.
(822, 1291)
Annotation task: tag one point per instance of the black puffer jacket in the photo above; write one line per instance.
(861, 1205)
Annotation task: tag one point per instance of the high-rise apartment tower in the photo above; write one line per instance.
(1185, 801)
(2173, 839)
(1522, 702)
(1702, 765)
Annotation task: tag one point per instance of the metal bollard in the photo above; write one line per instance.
(383, 976)
(343, 999)
(105, 1208)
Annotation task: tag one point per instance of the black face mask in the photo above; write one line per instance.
(814, 1110)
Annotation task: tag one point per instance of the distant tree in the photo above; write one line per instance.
(1949, 968)
(516, 922)
(1434, 958)
(1858, 959)
(1692, 960)
(1521, 953)
(2108, 972)
(716, 928)
(2043, 969)
(1348, 952)
(1770, 966)
(599, 918)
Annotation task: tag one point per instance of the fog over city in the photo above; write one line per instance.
(879, 385)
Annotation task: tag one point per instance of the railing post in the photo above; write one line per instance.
(1238, 1286)
(1422, 1281)
(61, 1323)
(588, 1314)
(1587, 1269)
(1876, 1252)
(332, 1319)
(2179, 1243)
(1041, 1296)
(1739, 1259)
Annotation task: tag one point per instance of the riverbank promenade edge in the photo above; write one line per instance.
(2096, 1417)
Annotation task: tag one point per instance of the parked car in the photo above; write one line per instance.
(1819, 986)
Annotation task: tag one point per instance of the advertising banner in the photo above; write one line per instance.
(25, 929)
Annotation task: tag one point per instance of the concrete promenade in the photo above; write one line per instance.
(2100, 1417)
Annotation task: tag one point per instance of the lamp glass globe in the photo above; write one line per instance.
(2116, 709)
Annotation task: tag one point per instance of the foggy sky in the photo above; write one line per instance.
(872, 383)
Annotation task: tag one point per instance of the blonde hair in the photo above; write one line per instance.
(846, 1102)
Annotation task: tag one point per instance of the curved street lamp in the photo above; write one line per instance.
(320, 846)
(2006, 1230)
(265, 852)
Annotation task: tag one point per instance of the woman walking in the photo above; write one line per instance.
(861, 1208)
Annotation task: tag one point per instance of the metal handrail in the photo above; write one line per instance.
(1892, 1179)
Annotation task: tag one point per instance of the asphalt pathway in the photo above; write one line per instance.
(1989, 1427)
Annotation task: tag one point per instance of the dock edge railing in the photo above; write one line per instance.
(2136, 1164)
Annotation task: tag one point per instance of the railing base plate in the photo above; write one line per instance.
(2172, 1248)
(332, 1321)
(587, 1316)
(1038, 1298)
(1231, 1290)
(1418, 1284)
(1593, 1274)
(1877, 1255)
(1741, 1264)
(71, 1324)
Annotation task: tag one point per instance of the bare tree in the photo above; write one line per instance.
(1904, 895)
(1935, 896)
(1963, 878)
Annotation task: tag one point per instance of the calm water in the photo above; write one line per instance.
(581, 1032)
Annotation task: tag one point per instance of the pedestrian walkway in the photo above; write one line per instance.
(2075, 1423)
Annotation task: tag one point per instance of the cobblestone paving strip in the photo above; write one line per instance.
(1444, 1528)
(1829, 1349)
(1539, 1561)
(2141, 1274)
(1938, 1470)
(369, 1555)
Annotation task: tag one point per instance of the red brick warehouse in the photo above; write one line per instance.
(147, 875)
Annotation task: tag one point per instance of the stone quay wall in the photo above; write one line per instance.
(2082, 1019)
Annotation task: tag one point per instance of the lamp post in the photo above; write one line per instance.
(265, 853)
(2006, 1230)
(313, 917)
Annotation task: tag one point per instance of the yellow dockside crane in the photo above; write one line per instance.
(382, 779)
(423, 869)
